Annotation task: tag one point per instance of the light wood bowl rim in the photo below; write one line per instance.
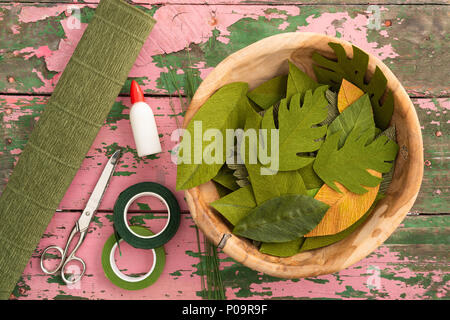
(385, 218)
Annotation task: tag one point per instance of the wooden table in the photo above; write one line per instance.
(36, 41)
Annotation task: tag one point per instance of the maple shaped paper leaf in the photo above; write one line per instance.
(354, 70)
(298, 130)
(349, 164)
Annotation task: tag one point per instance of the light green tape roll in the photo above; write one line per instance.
(123, 281)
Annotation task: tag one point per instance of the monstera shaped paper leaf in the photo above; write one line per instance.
(298, 130)
(349, 164)
(354, 70)
(298, 82)
(267, 186)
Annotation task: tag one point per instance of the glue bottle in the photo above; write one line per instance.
(143, 123)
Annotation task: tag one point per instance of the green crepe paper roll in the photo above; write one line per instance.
(123, 281)
(66, 130)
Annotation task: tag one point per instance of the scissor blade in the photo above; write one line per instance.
(99, 191)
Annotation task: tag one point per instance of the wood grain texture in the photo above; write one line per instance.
(246, 2)
(38, 39)
(264, 60)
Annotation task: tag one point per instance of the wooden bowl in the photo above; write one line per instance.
(262, 61)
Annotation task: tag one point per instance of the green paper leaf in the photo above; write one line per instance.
(311, 179)
(312, 192)
(358, 114)
(284, 249)
(236, 205)
(298, 132)
(225, 109)
(298, 82)
(354, 70)
(349, 164)
(322, 241)
(281, 219)
(270, 92)
(266, 187)
(226, 178)
(221, 190)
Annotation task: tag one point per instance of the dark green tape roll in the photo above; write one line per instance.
(123, 281)
(139, 190)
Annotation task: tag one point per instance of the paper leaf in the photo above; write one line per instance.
(322, 241)
(270, 92)
(221, 190)
(226, 178)
(225, 109)
(284, 249)
(236, 205)
(359, 114)
(333, 111)
(298, 132)
(348, 93)
(348, 165)
(266, 187)
(298, 82)
(354, 70)
(281, 219)
(310, 178)
(345, 208)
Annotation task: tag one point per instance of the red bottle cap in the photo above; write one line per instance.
(136, 93)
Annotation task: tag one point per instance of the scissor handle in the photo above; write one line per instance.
(65, 257)
(73, 279)
(58, 267)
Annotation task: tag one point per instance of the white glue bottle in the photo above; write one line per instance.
(143, 123)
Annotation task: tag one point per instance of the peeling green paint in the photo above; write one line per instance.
(56, 278)
(143, 206)
(123, 173)
(21, 289)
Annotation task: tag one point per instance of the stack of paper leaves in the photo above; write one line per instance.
(313, 159)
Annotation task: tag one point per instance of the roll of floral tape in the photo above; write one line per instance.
(134, 192)
(124, 281)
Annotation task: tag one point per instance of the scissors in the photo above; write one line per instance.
(82, 224)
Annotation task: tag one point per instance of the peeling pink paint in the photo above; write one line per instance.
(351, 29)
(383, 261)
(16, 151)
(283, 25)
(432, 104)
(58, 59)
(36, 13)
(15, 29)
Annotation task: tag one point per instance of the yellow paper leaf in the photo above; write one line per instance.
(345, 208)
(348, 93)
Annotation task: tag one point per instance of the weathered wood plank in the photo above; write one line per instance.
(38, 39)
(234, 2)
(19, 114)
(407, 267)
